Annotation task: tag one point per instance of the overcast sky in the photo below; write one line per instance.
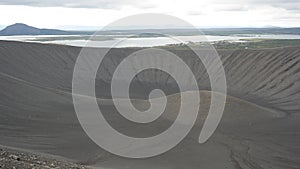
(81, 14)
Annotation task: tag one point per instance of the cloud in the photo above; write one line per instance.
(242, 5)
(239, 13)
(231, 7)
(195, 13)
(103, 4)
(290, 6)
(218, 5)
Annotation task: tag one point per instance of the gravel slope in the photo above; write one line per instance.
(12, 158)
(260, 127)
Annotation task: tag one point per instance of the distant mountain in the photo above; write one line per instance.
(23, 29)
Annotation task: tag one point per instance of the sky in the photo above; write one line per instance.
(93, 14)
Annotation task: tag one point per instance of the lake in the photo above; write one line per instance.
(120, 42)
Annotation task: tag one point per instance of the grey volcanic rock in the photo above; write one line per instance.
(259, 129)
(12, 158)
(23, 29)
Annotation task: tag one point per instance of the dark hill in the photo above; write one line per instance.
(23, 29)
